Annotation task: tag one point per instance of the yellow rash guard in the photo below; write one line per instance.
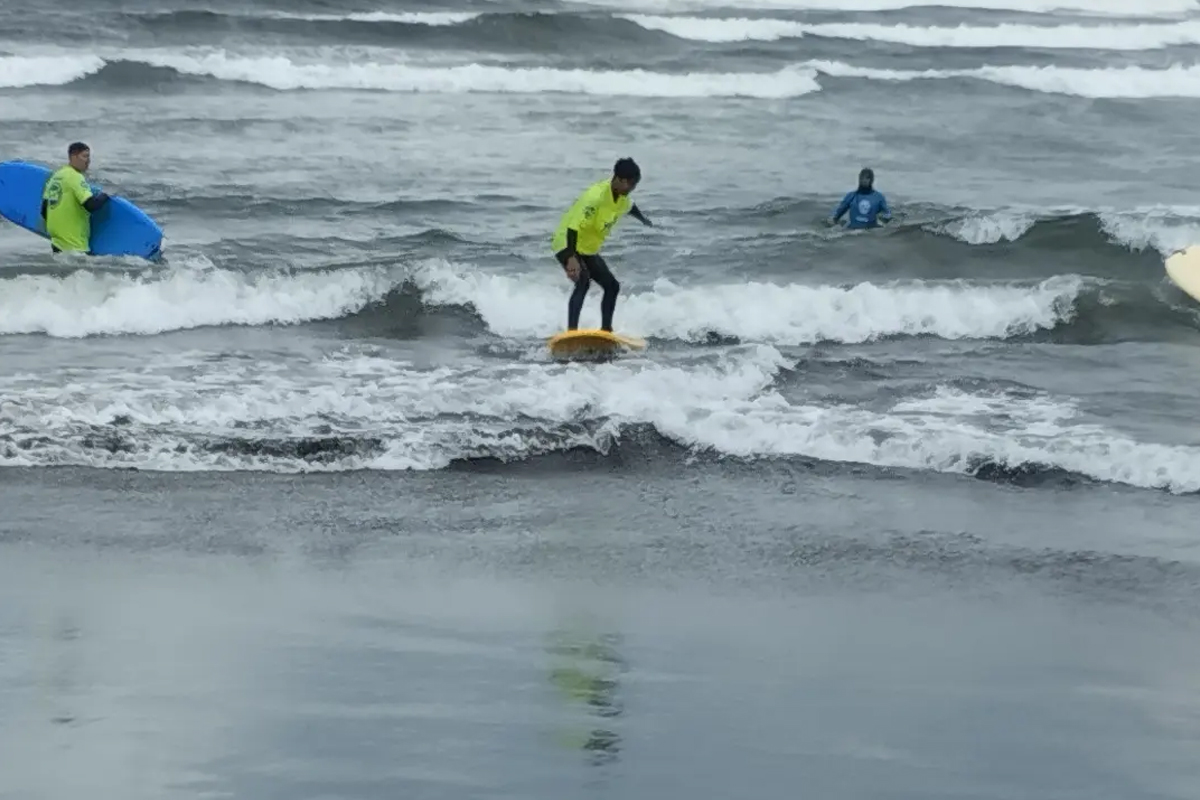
(593, 214)
(67, 221)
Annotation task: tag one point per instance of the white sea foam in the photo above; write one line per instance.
(718, 29)
(1005, 226)
(1111, 8)
(1161, 230)
(282, 73)
(86, 303)
(48, 70)
(279, 72)
(945, 434)
(1147, 36)
(186, 413)
(430, 18)
(767, 312)
(1111, 82)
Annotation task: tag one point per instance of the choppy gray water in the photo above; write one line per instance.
(307, 512)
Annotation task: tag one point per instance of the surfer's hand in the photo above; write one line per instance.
(573, 269)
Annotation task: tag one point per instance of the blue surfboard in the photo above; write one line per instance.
(119, 228)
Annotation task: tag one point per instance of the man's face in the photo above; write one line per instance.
(82, 160)
(624, 186)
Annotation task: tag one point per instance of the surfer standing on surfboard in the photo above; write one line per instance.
(866, 206)
(583, 229)
(68, 203)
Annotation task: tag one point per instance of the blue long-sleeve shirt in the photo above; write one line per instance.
(865, 209)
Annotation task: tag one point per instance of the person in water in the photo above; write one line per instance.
(865, 205)
(583, 229)
(68, 203)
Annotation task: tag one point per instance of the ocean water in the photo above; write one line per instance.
(306, 511)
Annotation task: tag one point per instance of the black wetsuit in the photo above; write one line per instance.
(592, 268)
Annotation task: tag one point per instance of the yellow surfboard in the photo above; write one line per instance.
(591, 342)
(1183, 268)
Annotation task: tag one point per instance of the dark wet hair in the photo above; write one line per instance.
(76, 148)
(866, 175)
(628, 170)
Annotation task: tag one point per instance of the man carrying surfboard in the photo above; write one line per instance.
(68, 203)
(583, 229)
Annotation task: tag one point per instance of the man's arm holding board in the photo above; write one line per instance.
(91, 201)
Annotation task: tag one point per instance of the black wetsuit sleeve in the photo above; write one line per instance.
(95, 202)
(572, 241)
(637, 214)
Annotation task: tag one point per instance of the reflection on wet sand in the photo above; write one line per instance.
(587, 671)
